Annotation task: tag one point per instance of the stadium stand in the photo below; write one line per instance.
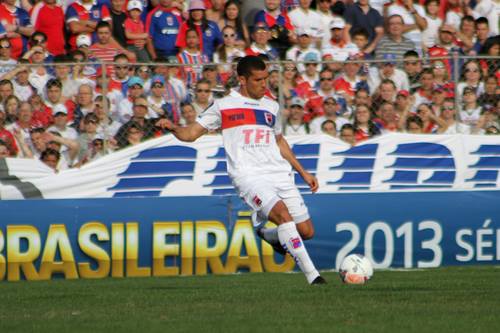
(121, 67)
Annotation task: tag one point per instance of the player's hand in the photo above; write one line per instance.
(312, 181)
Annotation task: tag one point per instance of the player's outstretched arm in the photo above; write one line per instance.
(188, 133)
(288, 155)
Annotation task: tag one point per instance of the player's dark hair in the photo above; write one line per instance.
(248, 64)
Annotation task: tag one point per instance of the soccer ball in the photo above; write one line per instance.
(355, 269)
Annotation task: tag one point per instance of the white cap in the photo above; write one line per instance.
(83, 40)
(134, 4)
(303, 31)
(59, 108)
(337, 23)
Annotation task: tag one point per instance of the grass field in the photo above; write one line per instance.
(437, 300)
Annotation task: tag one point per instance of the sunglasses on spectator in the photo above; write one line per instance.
(326, 79)
(203, 90)
(471, 70)
(90, 122)
(229, 35)
(157, 85)
(290, 69)
(448, 108)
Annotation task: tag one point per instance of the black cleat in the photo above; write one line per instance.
(319, 280)
(277, 247)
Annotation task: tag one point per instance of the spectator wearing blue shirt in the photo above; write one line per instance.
(163, 25)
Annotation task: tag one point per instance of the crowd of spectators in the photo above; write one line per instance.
(349, 69)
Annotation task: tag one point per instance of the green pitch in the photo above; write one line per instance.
(437, 300)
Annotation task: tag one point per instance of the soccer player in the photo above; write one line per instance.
(260, 161)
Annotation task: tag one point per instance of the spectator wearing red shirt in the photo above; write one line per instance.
(53, 91)
(364, 127)
(105, 49)
(48, 17)
(135, 32)
(17, 24)
(82, 17)
(349, 80)
(7, 137)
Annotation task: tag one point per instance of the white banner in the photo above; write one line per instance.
(168, 167)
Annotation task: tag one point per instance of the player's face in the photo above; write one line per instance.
(255, 84)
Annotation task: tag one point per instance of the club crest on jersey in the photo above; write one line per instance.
(208, 32)
(296, 243)
(269, 118)
(170, 20)
(158, 13)
(256, 200)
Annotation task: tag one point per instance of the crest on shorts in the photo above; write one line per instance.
(269, 118)
(170, 20)
(256, 200)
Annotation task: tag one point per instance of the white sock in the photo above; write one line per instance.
(292, 242)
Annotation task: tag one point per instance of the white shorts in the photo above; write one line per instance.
(261, 193)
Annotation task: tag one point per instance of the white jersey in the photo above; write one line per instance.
(249, 128)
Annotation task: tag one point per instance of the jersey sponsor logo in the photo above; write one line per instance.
(246, 116)
(486, 168)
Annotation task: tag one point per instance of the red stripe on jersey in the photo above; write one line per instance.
(237, 117)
